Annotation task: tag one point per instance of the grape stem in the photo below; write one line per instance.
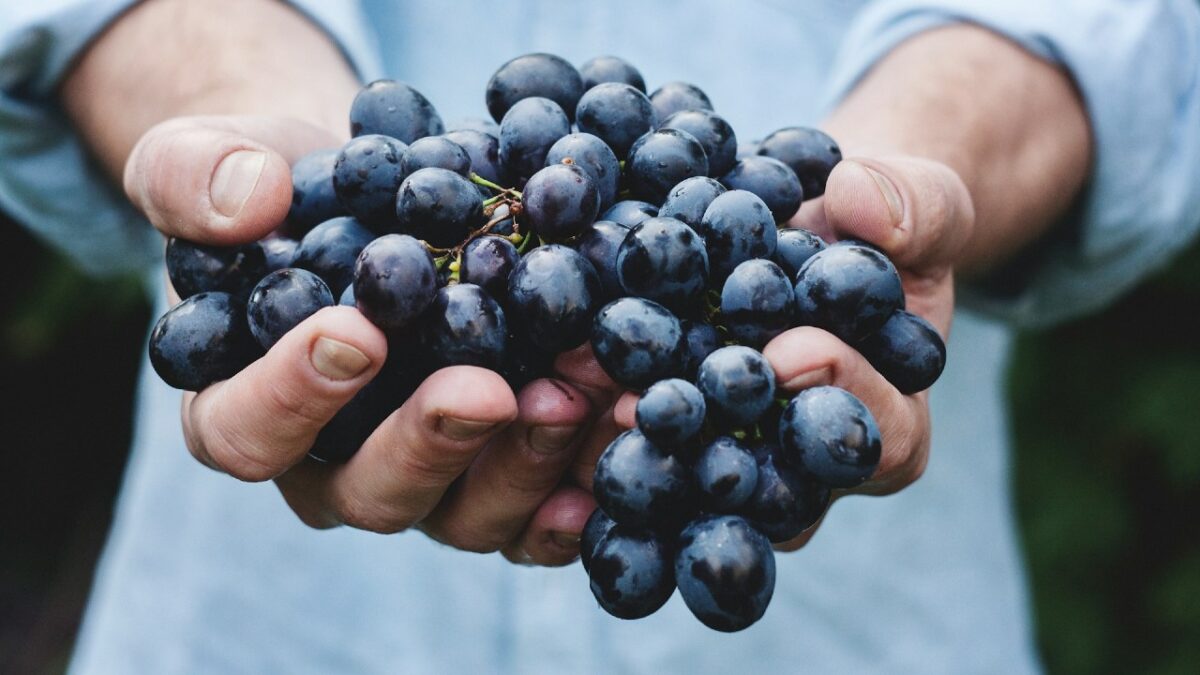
(480, 180)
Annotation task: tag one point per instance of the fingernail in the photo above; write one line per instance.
(549, 440)
(464, 430)
(234, 180)
(565, 539)
(810, 379)
(338, 360)
(889, 193)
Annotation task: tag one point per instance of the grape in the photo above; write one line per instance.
(502, 220)
(907, 351)
(394, 280)
(527, 132)
(771, 180)
(330, 249)
(745, 150)
(725, 571)
(393, 109)
(726, 474)
(483, 149)
(661, 159)
(603, 69)
(699, 340)
(639, 484)
(313, 198)
(195, 268)
(848, 290)
(438, 206)
(347, 297)
(593, 156)
(202, 340)
(365, 177)
(631, 573)
(526, 361)
(809, 152)
(278, 252)
(664, 260)
(484, 126)
(757, 302)
(688, 200)
(673, 97)
(629, 212)
(737, 226)
(670, 412)
(599, 244)
(553, 294)
(795, 246)
(345, 433)
(714, 134)
(616, 113)
(465, 326)
(559, 202)
(784, 502)
(637, 342)
(487, 261)
(598, 525)
(282, 300)
(533, 75)
(829, 434)
(435, 151)
(738, 385)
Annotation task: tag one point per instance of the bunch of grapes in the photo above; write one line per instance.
(587, 212)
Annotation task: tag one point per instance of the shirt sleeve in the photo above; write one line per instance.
(1137, 65)
(48, 182)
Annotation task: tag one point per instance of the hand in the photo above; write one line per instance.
(463, 459)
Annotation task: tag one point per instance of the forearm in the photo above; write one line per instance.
(1012, 126)
(167, 58)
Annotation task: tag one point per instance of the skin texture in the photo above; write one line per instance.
(930, 182)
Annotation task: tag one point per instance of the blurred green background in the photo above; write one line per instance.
(1107, 469)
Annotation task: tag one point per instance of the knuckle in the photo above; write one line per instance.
(470, 539)
(239, 456)
(301, 411)
(371, 517)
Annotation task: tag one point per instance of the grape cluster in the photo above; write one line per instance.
(587, 212)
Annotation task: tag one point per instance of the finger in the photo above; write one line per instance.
(552, 536)
(596, 439)
(811, 217)
(264, 419)
(492, 501)
(219, 180)
(405, 467)
(808, 357)
(579, 367)
(625, 410)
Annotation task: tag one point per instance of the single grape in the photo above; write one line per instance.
(435, 151)
(631, 573)
(907, 351)
(196, 268)
(795, 246)
(345, 433)
(313, 198)
(465, 327)
(393, 109)
(725, 570)
(849, 290)
(699, 340)
(670, 413)
(347, 297)
(616, 113)
(673, 97)
(659, 160)
(638, 342)
(533, 75)
(738, 385)
(394, 281)
(598, 525)
(593, 156)
(664, 260)
(278, 252)
(603, 69)
(829, 434)
(502, 220)
(202, 340)
(726, 475)
(366, 176)
(688, 200)
(771, 180)
(438, 206)
(785, 502)
(553, 294)
(526, 361)
(737, 226)
(282, 300)
(527, 132)
(599, 244)
(757, 302)
(629, 212)
(716, 136)
(487, 261)
(482, 149)
(330, 249)
(745, 150)
(639, 484)
(485, 126)
(811, 153)
(559, 202)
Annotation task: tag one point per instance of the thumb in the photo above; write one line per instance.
(219, 180)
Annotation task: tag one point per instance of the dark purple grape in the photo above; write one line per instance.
(810, 153)
(745, 150)
(664, 260)
(795, 246)
(599, 243)
(347, 297)
(202, 340)
(699, 340)
(629, 212)
(675, 96)
(659, 160)
(394, 281)
(527, 132)
(526, 361)
(616, 113)
(485, 126)
(829, 434)
(483, 150)
(757, 302)
(533, 75)
(670, 413)
(603, 69)
(196, 268)
(738, 385)
(848, 290)
(771, 180)
(330, 249)
(435, 152)
(907, 351)
(487, 261)
(559, 202)
(714, 133)
(737, 226)
(313, 198)
(366, 176)
(725, 570)
(690, 199)
(345, 433)
(598, 525)
(393, 109)
(553, 294)
(465, 327)
(785, 502)
(438, 206)
(638, 342)
(282, 300)
(726, 475)
(278, 252)
(593, 156)
(632, 573)
(639, 484)
(502, 220)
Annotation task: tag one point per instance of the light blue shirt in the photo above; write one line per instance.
(206, 574)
